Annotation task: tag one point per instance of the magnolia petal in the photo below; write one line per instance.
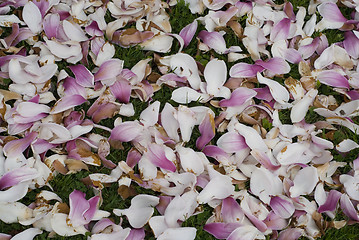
(219, 187)
(351, 44)
(291, 234)
(182, 233)
(188, 32)
(60, 225)
(279, 92)
(252, 137)
(325, 59)
(16, 176)
(186, 95)
(245, 70)
(263, 184)
(331, 202)
(78, 206)
(30, 109)
(220, 230)
(347, 207)
(304, 182)
(331, 12)
(280, 31)
(12, 212)
(186, 119)
(191, 161)
(276, 65)
(238, 97)
(185, 66)
(109, 70)
(74, 31)
(83, 76)
(350, 184)
(215, 74)
(347, 145)
(27, 234)
(126, 132)
(159, 43)
(213, 40)
(207, 130)
(300, 109)
(293, 153)
(169, 122)
(32, 17)
(16, 147)
(149, 116)
(246, 233)
(67, 102)
(333, 78)
(51, 24)
(156, 155)
(232, 142)
(140, 211)
(121, 89)
(282, 206)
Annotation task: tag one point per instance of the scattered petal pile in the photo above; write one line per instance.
(119, 123)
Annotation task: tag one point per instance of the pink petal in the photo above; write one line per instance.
(231, 142)
(288, 10)
(67, 102)
(264, 159)
(90, 212)
(331, 12)
(334, 79)
(78, 206)
(348, 209)
(93, 29)
(280, 31)
(291, 234)
(213, 40)
(126, 132)
(109, 69)
(282, 207)
(331, 202)
(245, 70)
(136, 234)
(231, 211)
(221, 230)
(238, 97)
(156, 154)
(275, 222)
(188, 32)
(83, 76)
(51, 24)
(215, 152)
(206, 128)
(16, 176)
(308, 50)
(121, 89)
(72, 88)
(16, 147)
(133, 156)
(276, 65)
(351, 44)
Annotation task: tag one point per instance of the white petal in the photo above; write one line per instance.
(252, 137)
(12, 212)
(185, 66)
(347, 145)
(32, 17)
(300, 109)
(279, 93)
(61, 225)
(74, 31)
(149, 116)
(304, 182)
(183, 233)
(160, 43)
(186, 95)
(27, 234)
(191, 161)
(219, 187)
(215, 74)
(186, 119)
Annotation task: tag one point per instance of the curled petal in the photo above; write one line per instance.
(334, 79)
(276, 65)
(16, 176)
(279, 93)
(51, 24)
(27, 234)
(245, 70)
(67, 102)
(300, 109)
(213, 40)
(331, 202)
(351, 44)
(126, 132)
(188, 32)
(280, 31)
(331, 12)
(238, 97)
(348, 209)
(156, 155)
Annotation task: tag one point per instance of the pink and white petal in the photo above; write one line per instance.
(346, 145)
(207, 130)
(91, 212)
(265, 159)
(304, 182)
(190, 160)
(126, 132)
(331, 202)
(32, 17)
(51, 24)
(280, 31)
(347, 207)
(78, 207)
(149, 116)
(73, 31)
(14, 193)
(276, 65)
(291, 234)
(16, 147)
(215, 75)
(182, 233)
(188, 32)
(213, 40)
(264, 184)
(12, 212)
(30, 109)
(109, 69)
(231, 212)
(282, 206)
(300, 109)
(245, 70)
(159, 43)
(67, 102)
(350, 184)
(252, 137)
(275, 222)
(246, 233)
(17, 176)
(221, 230)
(279, 92)
(333, 79)
(4, 236)
(351, 44)
(60, 225)
(121, 89)
(232, 142)
(136, 234)
(238, 97)
(326, 58)
(82, 75)
(158, 225)
(331, 12)
(156, 155)
(27, 234)
(185, 66)
(219, 187)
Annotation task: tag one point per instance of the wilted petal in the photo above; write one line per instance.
(238, 97)
(264, 184)
(12, 212)
(67, 102)
(279, 93)
(304, 182)
(276, 65)
(333, 78)
(245, 70)
(280, 30)
(140, 211)
(82, 75)
(156, 155)
(188, 32)
(282, 206)
(60, 225)
(213, 40)
(32, 17)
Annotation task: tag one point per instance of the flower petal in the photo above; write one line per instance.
(67, 102)
(188, 32)
(213, 40)
(276, 65)
(32, 17)
(156, 155)
(279, 92)
(82, 75)
(304, 182)
(333, 78)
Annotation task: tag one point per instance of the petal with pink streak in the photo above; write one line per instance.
(276, 65)
(279, 92)
(136, 234)
(78, 207)
(231, 212)
(133, 156)
(73, 88)
(291, 234)
(220, 230)
(188, 32)
(280, 30)
(213, 40)
(282, 206)
(347, 207)
(109, 69)
(231, 142)
(16, 147)
(331, 12)
(121, 89)
(351, 44)
(67, 102)
(16, 176)
(244, 70)
(156, 155)
(331, 202)
(275, 222)
(93, 29)
(265, 160)
(51, 24)
(73, 31)
(126, 132)
(238, 97)
(207, 130)
(90, 212)
(82, 75)
(333, 79)
(246, 233)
